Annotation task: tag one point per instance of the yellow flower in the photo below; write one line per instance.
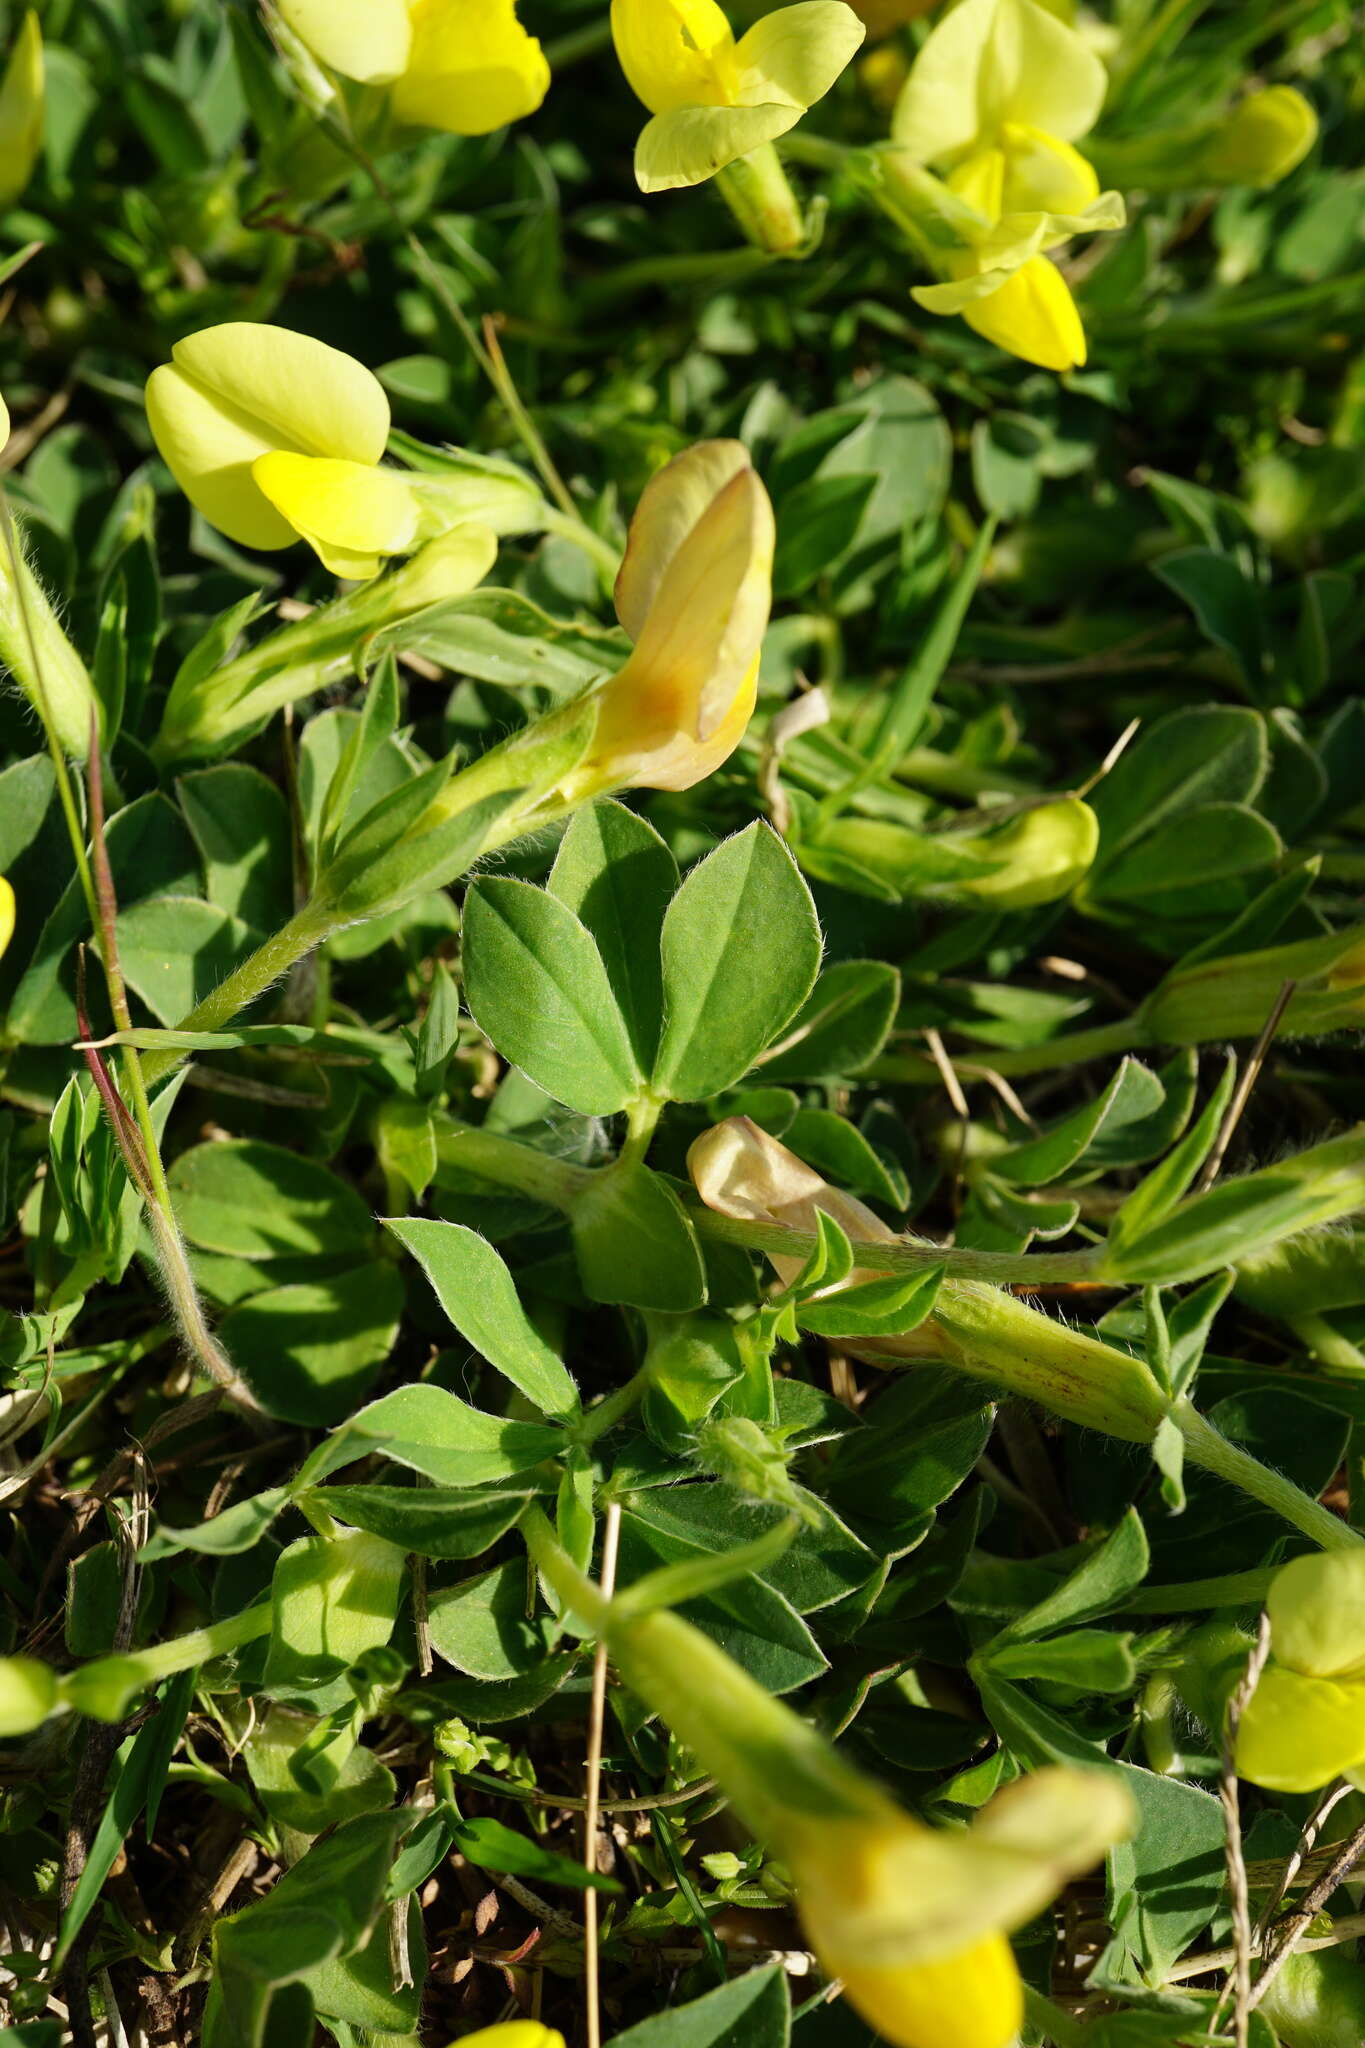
(997, 96)
(276, 437)
(713, 99)
(1305, 1723)
(465, 66)
(22, 95)
(6, 913)
(913, 1919)
(694, 594)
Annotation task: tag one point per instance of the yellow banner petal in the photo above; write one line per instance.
(671, 505)
(675, 53)
(793, 56)
(992, 61)
(209, 448)
(297, 392)
(1316, 1607)
(368, 40)
(472, 69)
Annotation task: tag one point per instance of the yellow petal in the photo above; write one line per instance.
(209, 448)
(1045, 175)
(980, 180)
(368, 40)
(6, 913)
(306, 395)
(672, 504)
(675, 53)
(512, 2034)
(695, 589)
(703, 631)
(4, 423)
(792, 56)
(22, 93)
(973, 1999)
(1044, 852)
(239, 391)
(689, 144)
(472, 69)
(1316, 1608)
(1297, 1732)
(1032, 316)
(992, 61)
(351, 513)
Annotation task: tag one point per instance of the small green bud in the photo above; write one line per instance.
(28, 1694)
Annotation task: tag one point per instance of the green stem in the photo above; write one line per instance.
(758, 193)
(103, 1689)
(901, 1256)
(1229, 1462)
(578, 43)
(1055, 2025)
(489, 1156)
(267, 965)
(1232, 1589)
(608, 1412)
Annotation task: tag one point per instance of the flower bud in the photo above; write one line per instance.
(694, 593)
(22, 92)
(715, 100)
(1264, 138)
(37, 653)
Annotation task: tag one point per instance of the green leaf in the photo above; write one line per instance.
(311, 1350)
(323, 1908)
(333, 1598)
(634, 1242)
(137, 1779)
(240, 823)
(429, 1521)
(1090, 1660)
(437, 1434)
(477, 1292)
(618, 877)
(258, 1201)
(842, 1025)
(492, 1846)
(483, 1627)
(1154, 1197)
(1114, 1569)
(1225, 601)
(752, 2012)
(839, 1152)
(1169, 1881)
(1201, 755)
(888, 1307)
(741, 949)
(536, 984)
